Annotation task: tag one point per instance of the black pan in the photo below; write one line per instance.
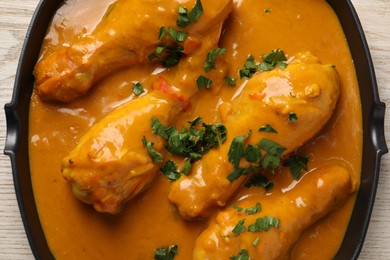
(374, 145)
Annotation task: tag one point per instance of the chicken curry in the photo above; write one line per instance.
(195, 129)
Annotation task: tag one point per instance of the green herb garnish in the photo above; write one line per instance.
(249, 69)
(292, 117)
(192, 142)
(169, 56)
(259, 180)
(267, 129)
(186, 18)
(212, 57)
(253, 210)
(270, 61)
(236, 150)
(243, 255)
(156, 156)
(264, 224)
(203, 82)
(297, 164)
(230, 81)
(240, 227)
(137, 89)
(169, 169)
(273, 59)
(166, 253)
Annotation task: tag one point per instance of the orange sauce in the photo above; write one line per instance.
(75, 231)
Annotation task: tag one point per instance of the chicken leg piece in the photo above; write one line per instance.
(306, 88)
(110, 164)
(127, 34)
(319, 193)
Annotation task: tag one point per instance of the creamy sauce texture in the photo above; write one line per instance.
(75, 231)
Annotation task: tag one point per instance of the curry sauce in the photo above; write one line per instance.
(152, 219)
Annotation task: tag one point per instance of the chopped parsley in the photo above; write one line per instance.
(192, 142)
(273, 59)
(259, 180)
(188, 17)
(166, 253)
(212, 57)
(253, 210)
(167, 55)
(137, 89)
(255, 242)
(238, 208)
(292, 117)
(267, 11)
(297, 164)
(267, 129)
(156, 156)
(264, 224)
(249, 211)
(274, 153)
(264, 155)
(203, 82)
(243, 255)
(249, 69)
(240, 227)
(230, 81)
(270, 61)
(236, 150)
(170, 171)
(252, 154)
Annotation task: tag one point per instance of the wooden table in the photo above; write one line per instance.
(15, 16)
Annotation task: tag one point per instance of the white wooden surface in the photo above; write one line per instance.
(15, 16)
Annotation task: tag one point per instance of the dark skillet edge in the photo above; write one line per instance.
(374, 144)
(17, 117)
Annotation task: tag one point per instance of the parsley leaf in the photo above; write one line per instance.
(236, 150)
(267, 129)
(169, 56)
(292, 117)
(270, 61)
(156, 156)
(203, 82)
(249, 69)
(252, 154)
(240, 227)
(137, 89)
(158, 128)
(186, 18)
(260, 181)
(249, 211)
(192, 143)
(243, 255)
(274, 153)
(253, 210)
(264, 224)
(177, 35)
(273, 59)
(169, 169)
(297, 164)
(212, 57)
(236, 173)
(230, 81)
(238, 208)
(166, 253)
